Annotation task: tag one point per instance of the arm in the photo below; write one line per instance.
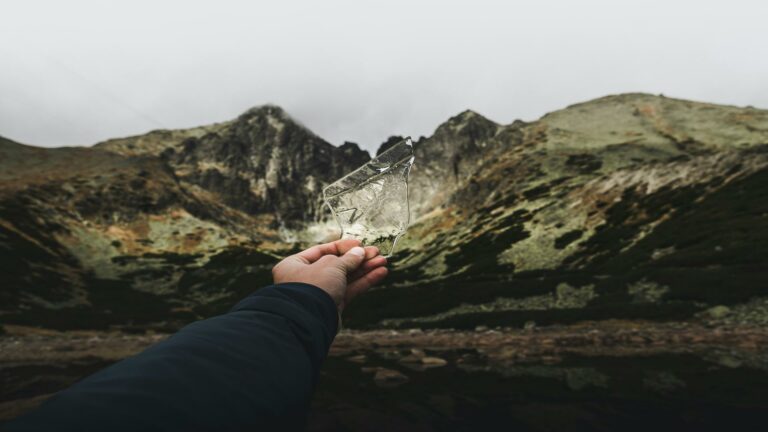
(253, 367)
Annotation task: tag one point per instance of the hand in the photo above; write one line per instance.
(343, 269)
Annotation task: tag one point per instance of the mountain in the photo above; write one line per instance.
(630, 207)
(249, 163)
(160, 228)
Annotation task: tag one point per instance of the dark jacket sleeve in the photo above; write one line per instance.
(253, 368)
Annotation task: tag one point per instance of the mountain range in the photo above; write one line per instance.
(632, 206)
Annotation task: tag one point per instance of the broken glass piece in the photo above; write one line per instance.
(371, 203)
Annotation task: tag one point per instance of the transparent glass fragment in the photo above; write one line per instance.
(371, 203)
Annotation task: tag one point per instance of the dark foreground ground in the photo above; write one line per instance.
(596, 376)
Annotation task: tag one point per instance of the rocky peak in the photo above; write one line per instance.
(468, 123)
(271, 117)
(265, 109)
(386, 145)
(353, 151)
(265, 162)
(449, 157)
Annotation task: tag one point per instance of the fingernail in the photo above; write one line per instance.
(357, 250)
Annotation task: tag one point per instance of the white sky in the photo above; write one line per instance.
(76, 72)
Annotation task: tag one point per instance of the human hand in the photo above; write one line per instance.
(342, 268)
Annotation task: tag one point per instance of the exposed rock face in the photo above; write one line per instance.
(629, 206)
(262, 163)
(450, 158)
(614, 194)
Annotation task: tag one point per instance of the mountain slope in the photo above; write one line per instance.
(91, 238)
(261, 163)
(590, 213)
(160, 228)
(630, 206)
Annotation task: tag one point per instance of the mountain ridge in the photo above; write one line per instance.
(591, 212)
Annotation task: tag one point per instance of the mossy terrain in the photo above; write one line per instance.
(200, 292)
(717, 245)
(630, 206)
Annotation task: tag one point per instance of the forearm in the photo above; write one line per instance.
(256, 364)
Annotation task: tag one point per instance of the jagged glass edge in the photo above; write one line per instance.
(408, 142)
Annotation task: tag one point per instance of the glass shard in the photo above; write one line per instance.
(371, 203)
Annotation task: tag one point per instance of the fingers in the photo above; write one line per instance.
(365, 282)
(316, 252)
(344, 246)
(371, 251)
(368, 265)
(351, 260)
(373, 263)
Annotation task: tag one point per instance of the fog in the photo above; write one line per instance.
(77, 72)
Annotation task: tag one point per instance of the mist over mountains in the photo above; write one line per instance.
(631, 206)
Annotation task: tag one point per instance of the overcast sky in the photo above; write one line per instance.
(76, 72)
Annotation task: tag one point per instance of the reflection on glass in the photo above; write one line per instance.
(371, 203)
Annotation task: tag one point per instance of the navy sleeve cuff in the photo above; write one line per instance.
(296, 301)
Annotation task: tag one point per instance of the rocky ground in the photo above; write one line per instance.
(596, 375)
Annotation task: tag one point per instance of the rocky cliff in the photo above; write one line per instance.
(263, 162)
(629, 206)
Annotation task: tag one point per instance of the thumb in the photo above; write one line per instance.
(351, 260)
